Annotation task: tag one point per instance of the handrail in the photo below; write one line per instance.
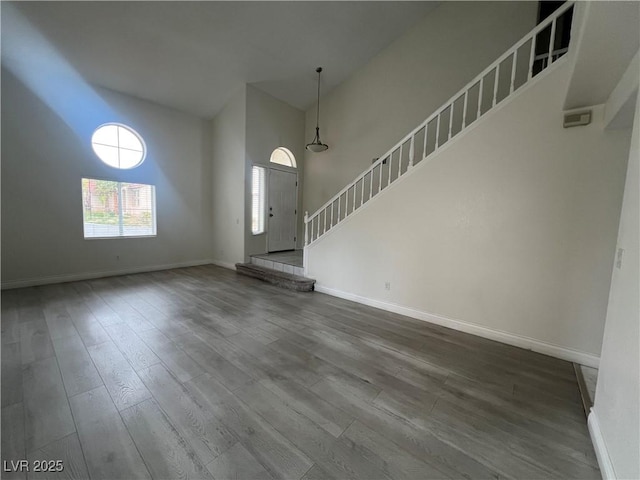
(448, 105)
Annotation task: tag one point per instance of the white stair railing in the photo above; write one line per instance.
(495, 83)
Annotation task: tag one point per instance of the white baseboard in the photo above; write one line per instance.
(230, 266)
(74, 277)
(521, 341)
(599, 445)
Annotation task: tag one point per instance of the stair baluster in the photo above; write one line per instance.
(496, 80)
(371, 185)
(411, 152)
(552, 38)
(480, 94)
(464, 110)
(514, 62)
(532, 55)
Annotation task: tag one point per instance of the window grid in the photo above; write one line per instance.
(117, 145)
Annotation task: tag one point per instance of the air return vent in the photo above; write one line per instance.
(577, 119)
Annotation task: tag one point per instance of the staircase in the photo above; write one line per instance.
(534, 53)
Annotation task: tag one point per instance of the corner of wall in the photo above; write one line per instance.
(271, 123)
(617, 401)
(228, 138)
(600, 447)
(621, 102)
(580, 15)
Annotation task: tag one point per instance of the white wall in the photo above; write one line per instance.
(606, 43)
(617, 402)
(43, 160)
(228, 137)
(511, 230)
(620, 108)
(400, 87)
(271, 123)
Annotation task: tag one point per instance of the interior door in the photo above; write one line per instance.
(282, 210)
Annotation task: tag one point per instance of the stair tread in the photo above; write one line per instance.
(276, 277)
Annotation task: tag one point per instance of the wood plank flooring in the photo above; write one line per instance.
(202, 373)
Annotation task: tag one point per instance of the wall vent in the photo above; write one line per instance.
(577, 119)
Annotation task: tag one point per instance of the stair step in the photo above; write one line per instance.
(275, 277)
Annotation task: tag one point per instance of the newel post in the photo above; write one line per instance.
(306, 228)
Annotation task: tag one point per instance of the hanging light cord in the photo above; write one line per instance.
(316, 144)
(319, 69)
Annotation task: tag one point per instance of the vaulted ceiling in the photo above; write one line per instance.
(194, 55)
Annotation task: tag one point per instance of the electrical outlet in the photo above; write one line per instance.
(387, 285)
(619, 257)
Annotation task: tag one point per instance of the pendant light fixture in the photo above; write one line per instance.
(316, 145)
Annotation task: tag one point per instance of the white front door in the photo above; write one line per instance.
(282, 210)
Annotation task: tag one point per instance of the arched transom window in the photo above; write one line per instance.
(283, 156)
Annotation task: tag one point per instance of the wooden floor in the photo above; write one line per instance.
(201, 373)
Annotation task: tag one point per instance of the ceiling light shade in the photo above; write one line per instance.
(316, 144)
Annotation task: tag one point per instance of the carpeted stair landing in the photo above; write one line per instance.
(275, 277)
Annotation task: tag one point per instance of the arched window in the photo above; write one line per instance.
(283, 156)
(118, 146)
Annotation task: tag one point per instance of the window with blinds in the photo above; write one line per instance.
(257, 200)
(118, 209)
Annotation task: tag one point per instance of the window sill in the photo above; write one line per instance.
(120, 237)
